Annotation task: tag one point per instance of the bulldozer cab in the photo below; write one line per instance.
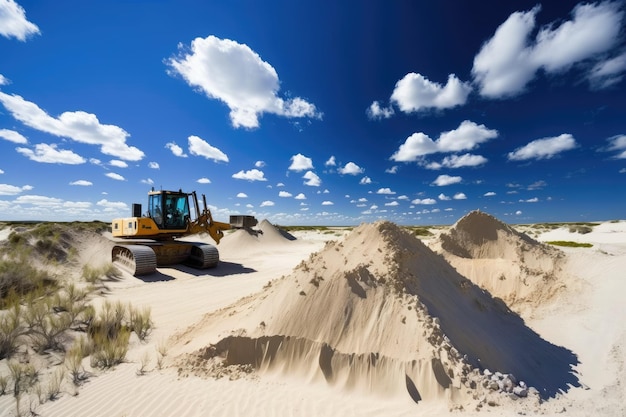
(168, 209)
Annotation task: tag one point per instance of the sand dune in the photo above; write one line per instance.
(372, 322)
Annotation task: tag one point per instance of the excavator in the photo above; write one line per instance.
(143, 242)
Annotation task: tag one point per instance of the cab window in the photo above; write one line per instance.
(155, 210)
(176, 211)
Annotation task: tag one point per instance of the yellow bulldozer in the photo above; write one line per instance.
(143, 242)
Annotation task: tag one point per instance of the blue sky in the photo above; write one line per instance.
(324, 113)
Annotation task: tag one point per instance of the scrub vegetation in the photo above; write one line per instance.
(44, 314)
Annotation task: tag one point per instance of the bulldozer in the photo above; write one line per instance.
(143, 242)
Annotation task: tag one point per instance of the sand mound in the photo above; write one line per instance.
(478, 235)
(272, 233)
(382, 312)
(508, 264)
(269, 235)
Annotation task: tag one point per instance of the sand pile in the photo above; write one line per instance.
(510, 265)
(267, 235)
(379, 311)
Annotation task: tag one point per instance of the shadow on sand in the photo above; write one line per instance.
(223, 269)
(155, 277)
(494, 337)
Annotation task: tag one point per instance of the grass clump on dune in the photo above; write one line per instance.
(94, 275)
(420, 231)
(19, 278)
(570, 244)
(111, 329)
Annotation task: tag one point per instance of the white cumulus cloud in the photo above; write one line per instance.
(425, 201)
(511, 59)
(176, 150)
(467, 136)
(376, 111)
(115, 176)
(618, 143)
(117, 163)
(13, 136)
(77, 125)
(351, 169)
(13, 22)
(312, 179)
(458, 161)
(49, 154)
(112, 205)
(443, 180)
(199, 147)
(414, 92)
(83, 183)
(251, 175)
(300, 162)
(285, 194)
(607, 73)
(6, 189)
(39, 200)
(236, 75)
(267, 203)
(545, 148)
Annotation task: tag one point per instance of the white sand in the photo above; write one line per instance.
(4, 233)
(314, 328)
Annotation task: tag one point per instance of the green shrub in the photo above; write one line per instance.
(16, 239)
(74, 360)
(51, 250)
(421, 231)
(109, 351)
(22, 278)
(580, 228)
(140, 322)
(23, 377)
(46, 327)
(570, 244)
(4, 383)
(95, 275)
(90, 274)
(86, 318)
(55, 383)
(143, 364)
(10, 331)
